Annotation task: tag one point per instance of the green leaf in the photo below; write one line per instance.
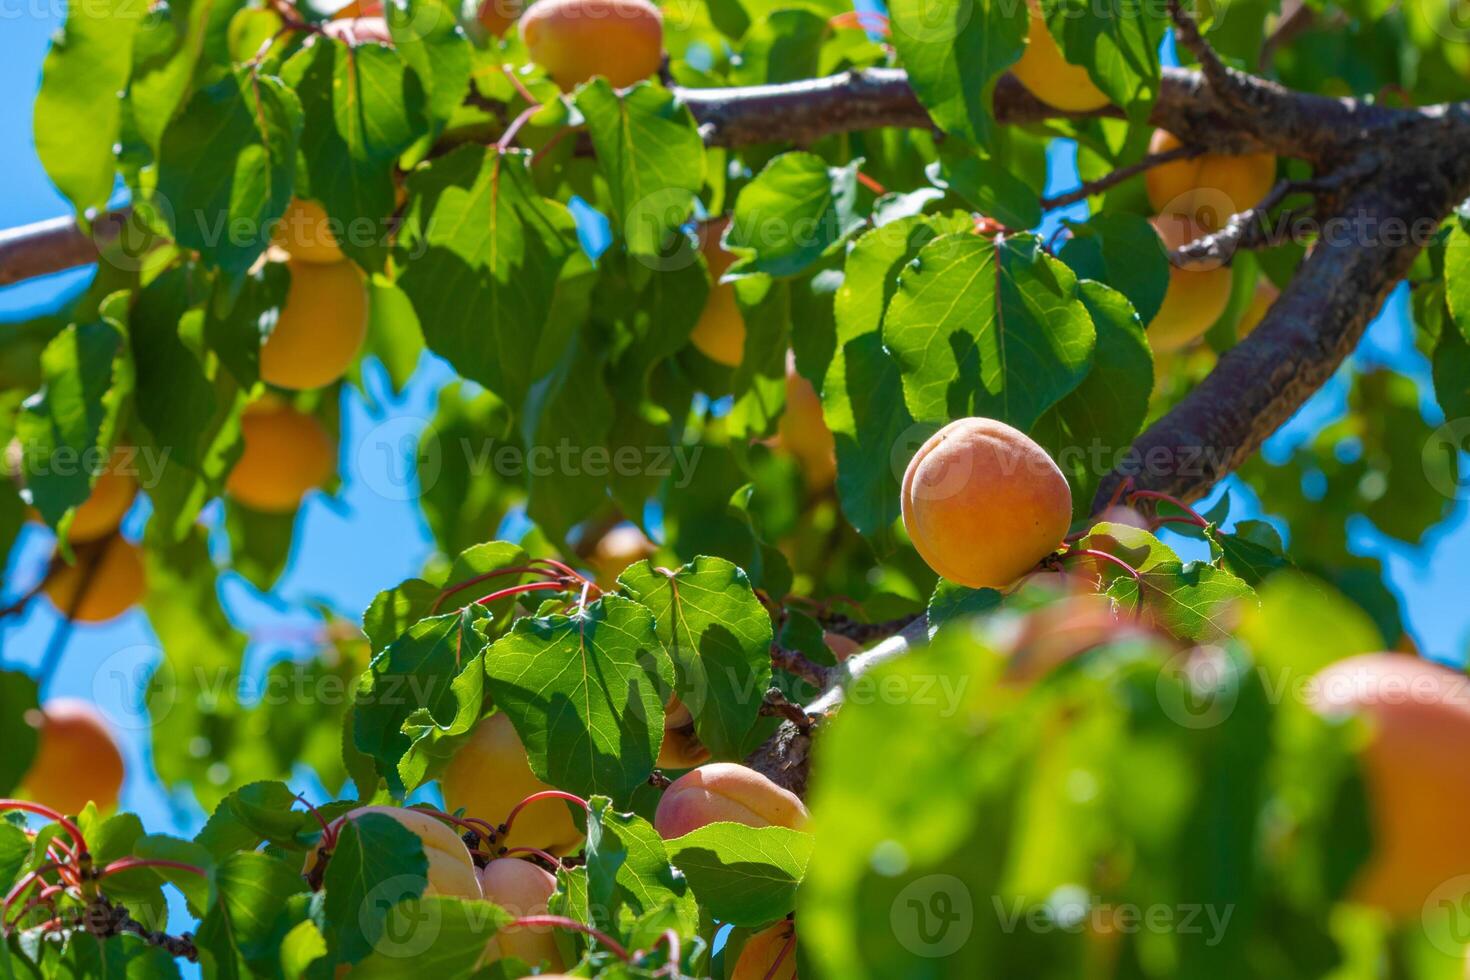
(651, 155)
(783, 45)
(1118, 42)
(1253, 551)
(378, 863)
(18, 697)
(1451, 372)
(951, 602)
(237, 320)
(988, 187)
(244, 925)
(719, 636)
(394, 610)
(166, 53)
(746, 876)
(426, 35)
(628, 869)
(795, 209)
(15, 846)
(1122, 250)
(246, 125)
(78, 111)
(954, 52)
(252, 815)
(987, 327)
(435, 936)
(1457, 274)
(175, 397)
(586, 694)
(862, 395)
(361, 109)
(301, 947)
(484, 253)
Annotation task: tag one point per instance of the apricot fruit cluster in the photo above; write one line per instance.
(983, 503)
(726, 792)
(77, 760)
(578, 40)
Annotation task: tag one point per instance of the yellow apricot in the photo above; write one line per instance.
(577, 40)
(286, 454)
(77, 761)
(112, 495)
(803, 430)
(681, 748)
(490, 774)
(305, 232)
(1195, 297)
(720, 333)
(1262, 299)
(983, 503)
(1047, 74)
(768, 955)
(320, 328)
(496, 16)
(521, 888)
(1415, 770)
(725, 791)
(451, 869)
(113, 576)
(1209, 188)
(617, 549)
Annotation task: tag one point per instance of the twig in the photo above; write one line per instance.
(796, 663)
(777, 705)
(1185, 151)
(1216, 72)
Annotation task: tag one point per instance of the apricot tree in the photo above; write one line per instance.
(820, 579)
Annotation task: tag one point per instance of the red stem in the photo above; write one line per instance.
(1103, 555)
(536, 851)
(871, 184)
(49, 814)
(545, 794)
(508, 138)
(1175, 501)
(781, 956)
(329, 836)
(449, 590)
(519, 86)
(572, 925)
(521, 590)
(131, 864)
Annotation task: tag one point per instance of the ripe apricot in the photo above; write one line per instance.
(769, 954)
(496, 16)
(521, 888)
(681, 748)
(1195, 297)
(983, 503)
(451, 869)
(320, 328)
(112, 574)
(1047, 74)
(617, 549)
(803, 430)
(112, 495)
(1209, 188)
(1262, 299)
(720, 333)
(1416, 772)
(577, 40)
(286, 454)
(76, 761)
(490, 774)
(725, 791)
(305, 232)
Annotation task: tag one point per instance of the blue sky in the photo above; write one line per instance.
(362, 540)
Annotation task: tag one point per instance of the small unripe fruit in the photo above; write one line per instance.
(496, 16)
(577, 40)
(768, 955)
(320, 328)
(1048, 75)
(286, 454)
(725, 791)
(112, 574)
(77, 762)
(720, 333)
(521, 888)
(305, 232)
(490, 774)
(451, 871)
(804, 432)
(1209, 188)
(984, 504)
(1415, 769)
(1195, 297)
(681, 748)
(1262, 299)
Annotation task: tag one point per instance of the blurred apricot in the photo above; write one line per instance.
(577, 40)
(1209, 188)
(768, 955)
(681, 748)
(110, 576)
(496, 16)
(77, 760)
(720, 332)
(305, 233)
(320, 328)
(841, 646)
(1196, 296)
(803, 430)
(616, 550)
(286, 454)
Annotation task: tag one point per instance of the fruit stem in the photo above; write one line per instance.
(550, 859)
(545, 794)
(572, 925)
(786, 949)
(1175, 501)
(131, 864)
(871, 184)
(669, 937)
(329, 836)
(1104, 556)
(520, 590)
(49, 814)
(508, 138)
(450, 590)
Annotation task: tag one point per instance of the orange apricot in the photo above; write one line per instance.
(320, 328)
(112, 574)
(496, 16)
(1415, 770)
(112, 496)
(1208, 188)
(1262, 299)
(725, 791)
(305, 232)
(286, 454)
(803, 430)
(1195, 297)
(77, 761)
(681, 748)
(768, 955)
(451, 869)
(577, 40)
(521, 888)
(720, 333)
(1047, 74)
(490, 775)
(983, 503)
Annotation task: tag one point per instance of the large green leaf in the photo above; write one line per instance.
(743, 875)
(244, 926)
(1124, 251)
(586, 694)
(434, 936)
(18, 697)
(426, 35)
(1117, 41)
(628, 870)
(377, 864)
(795, 209)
